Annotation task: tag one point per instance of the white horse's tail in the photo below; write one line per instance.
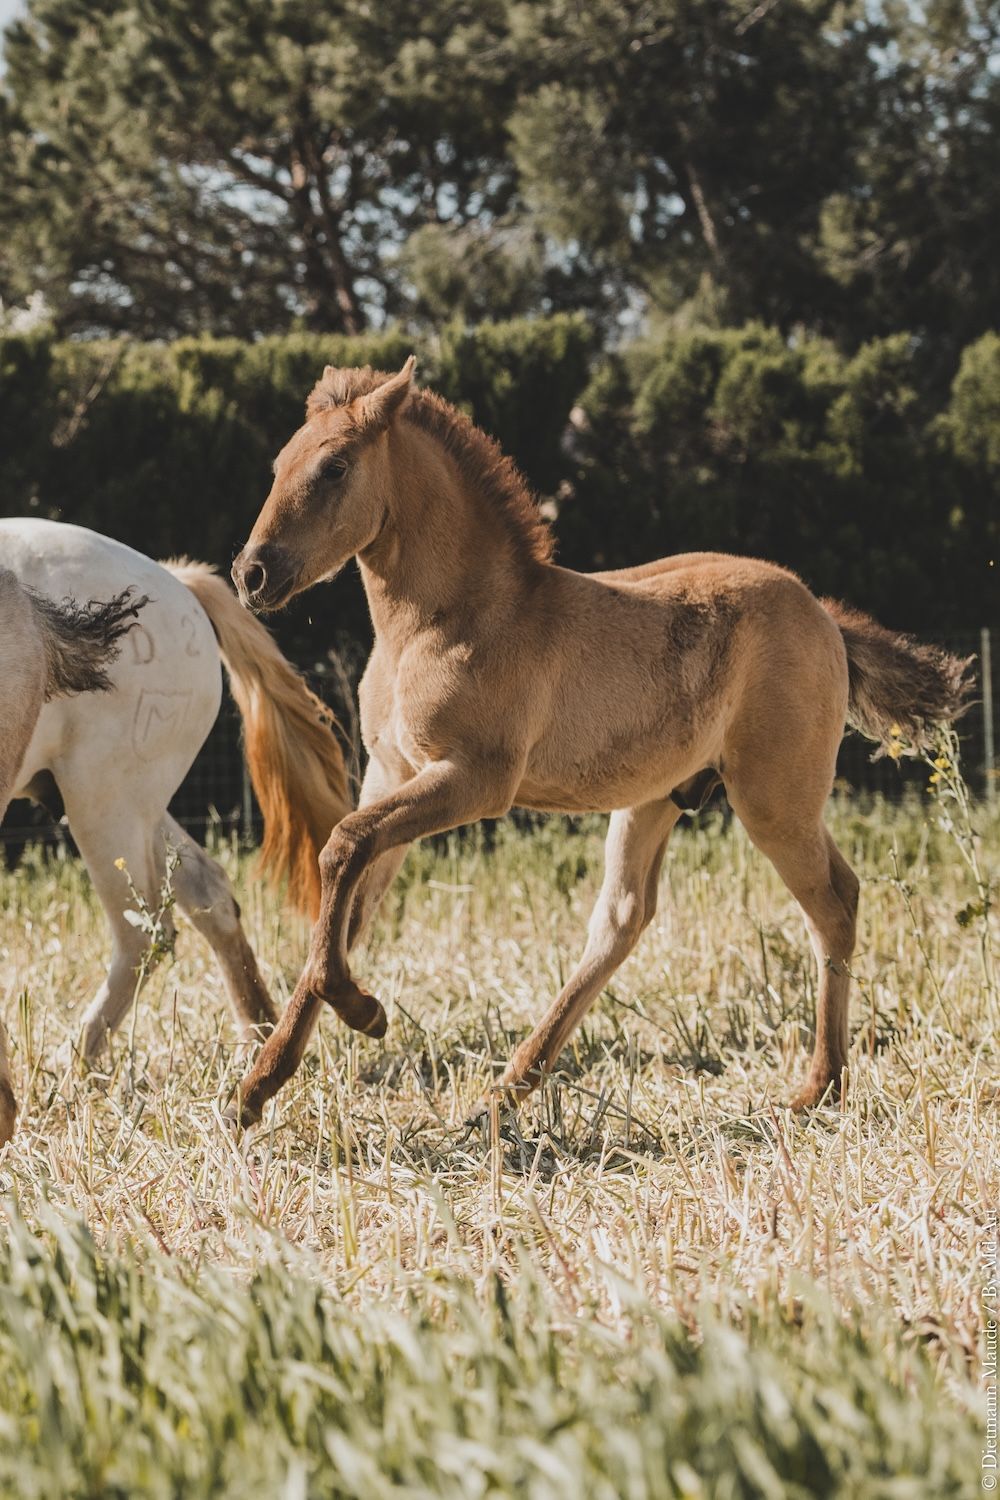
(81, 641)
(295, 761)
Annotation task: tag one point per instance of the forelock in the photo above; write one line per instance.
(341, 387)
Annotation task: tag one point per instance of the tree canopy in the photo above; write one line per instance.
(247, 166)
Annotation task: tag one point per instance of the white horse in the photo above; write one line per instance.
(46, 650)
(116, 761)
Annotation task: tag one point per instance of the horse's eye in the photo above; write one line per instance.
(334, 469)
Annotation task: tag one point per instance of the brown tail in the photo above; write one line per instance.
(295, 762)
(900, 689)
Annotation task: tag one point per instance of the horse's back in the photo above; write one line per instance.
(166, 680)
(773, 610)
(703, 573)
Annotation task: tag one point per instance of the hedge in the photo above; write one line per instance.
(736, 439)
(840, 468)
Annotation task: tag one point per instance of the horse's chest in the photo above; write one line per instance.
(420, 710)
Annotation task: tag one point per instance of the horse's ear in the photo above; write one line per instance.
(376, 410)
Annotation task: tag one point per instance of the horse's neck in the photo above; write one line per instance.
(441, 554)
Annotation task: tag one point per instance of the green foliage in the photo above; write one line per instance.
(168, 447)
(124, 1373)
(27, 394)
(519, 381)
(739, 440)
(242, 165)
(467, 273)
(972, 422)
(246, 166)
(727, 440)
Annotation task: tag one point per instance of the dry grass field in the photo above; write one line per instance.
(657, 1282)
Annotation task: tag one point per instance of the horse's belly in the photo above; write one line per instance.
(625, 772)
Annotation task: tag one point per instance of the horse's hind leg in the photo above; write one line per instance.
(637, 840)
(205, 896)
(116, 842)
(826, 888)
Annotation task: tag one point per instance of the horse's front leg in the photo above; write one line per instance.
(442, 796)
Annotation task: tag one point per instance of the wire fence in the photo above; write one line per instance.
(216, 794)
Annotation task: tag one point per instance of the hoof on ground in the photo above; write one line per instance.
(240, 1116)
(85, 1052)
(478, 1123)
(812, 1095)
(506, 1105)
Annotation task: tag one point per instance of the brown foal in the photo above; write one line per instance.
(499, 679)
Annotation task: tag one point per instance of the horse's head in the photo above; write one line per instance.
(331, 487)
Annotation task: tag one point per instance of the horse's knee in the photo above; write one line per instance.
(848, 887)
(346, 850)
(139, 947)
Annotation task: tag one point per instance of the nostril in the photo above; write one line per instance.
(254, 577)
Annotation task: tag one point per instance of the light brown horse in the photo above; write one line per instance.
(499, 679)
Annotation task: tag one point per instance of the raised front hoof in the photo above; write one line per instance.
(361, 1011)
(8, 1111)
(817, 1091)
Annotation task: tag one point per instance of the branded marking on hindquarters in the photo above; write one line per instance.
(143, 645)
(189, 630)
(158, 718)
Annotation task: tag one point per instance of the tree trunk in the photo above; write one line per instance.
(331, 303)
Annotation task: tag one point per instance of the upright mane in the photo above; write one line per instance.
(480, 460)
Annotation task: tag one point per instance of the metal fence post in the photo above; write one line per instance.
(247, 811)
(986, 665)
